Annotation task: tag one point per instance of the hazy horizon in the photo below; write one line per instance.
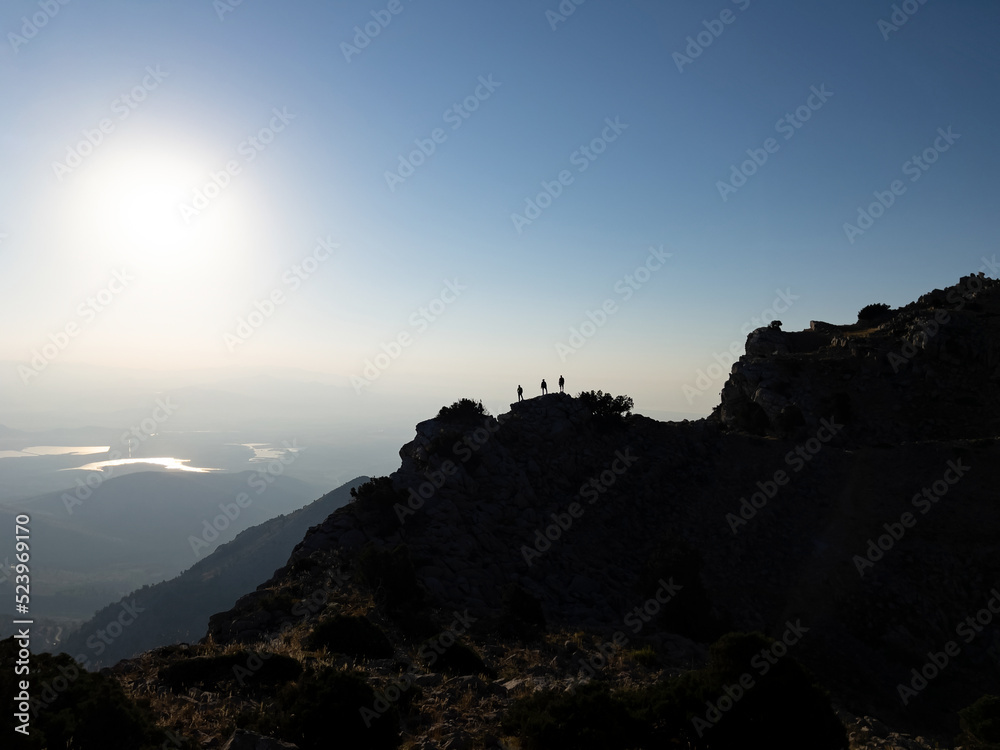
(468, 197)
(170, 417)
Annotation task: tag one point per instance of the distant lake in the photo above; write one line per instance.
(56, 450)
(177, 464)
(261, 453)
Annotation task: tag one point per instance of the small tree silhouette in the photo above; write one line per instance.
(873, 311)
(605, 406)
(463, 409)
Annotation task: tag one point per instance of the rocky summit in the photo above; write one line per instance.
(814, 565)
(927, 371)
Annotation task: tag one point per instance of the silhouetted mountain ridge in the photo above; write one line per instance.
(540, 536)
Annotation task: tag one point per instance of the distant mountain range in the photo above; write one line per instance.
(91, 546)
(177, 610)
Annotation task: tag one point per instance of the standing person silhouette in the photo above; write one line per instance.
(545, 388)
(520, 393)
(561, 383)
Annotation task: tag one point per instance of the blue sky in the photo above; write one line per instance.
(182, 87)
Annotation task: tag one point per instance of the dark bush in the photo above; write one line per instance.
(73, 708)
(416, 624)
(375, 504)
(247, 668)
(354, 636)
(781, 710)
(646, 656)
(378, 491)
(790, 419)
(873, 311)
(980, 724)
(280, 601)
(305, 564)
(465, 409)
(605, 406)
(456, 659)
(519, 603)
(331, 708)
(391, 574)
(690, 612)
(449, 445)
(442, 444)
(589, 718)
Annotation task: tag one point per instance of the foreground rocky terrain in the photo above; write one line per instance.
(569, 575)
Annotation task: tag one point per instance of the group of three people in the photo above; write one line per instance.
(545, 388)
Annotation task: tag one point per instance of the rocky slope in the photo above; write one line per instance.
(841, 500)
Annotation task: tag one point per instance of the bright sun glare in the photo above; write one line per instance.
(124, 211)
(131, 203)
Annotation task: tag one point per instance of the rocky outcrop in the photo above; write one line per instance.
(846, 485)
(480, 506)
(928, 371)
